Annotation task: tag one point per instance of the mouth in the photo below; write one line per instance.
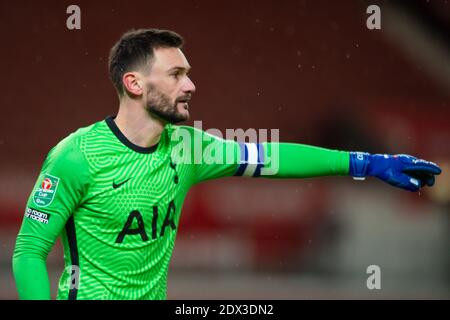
(185, 103)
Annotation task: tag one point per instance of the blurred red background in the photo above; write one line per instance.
(309, 68)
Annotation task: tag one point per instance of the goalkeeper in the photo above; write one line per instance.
(113, 191)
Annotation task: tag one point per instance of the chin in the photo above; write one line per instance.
(180, 117)
(183, 114)
(184, 117)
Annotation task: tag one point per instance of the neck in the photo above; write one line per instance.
(138, 125)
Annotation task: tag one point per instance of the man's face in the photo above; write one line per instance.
(167, 88)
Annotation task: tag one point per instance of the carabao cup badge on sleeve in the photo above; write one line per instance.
(46, 191)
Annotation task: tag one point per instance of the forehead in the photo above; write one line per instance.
(168, 58)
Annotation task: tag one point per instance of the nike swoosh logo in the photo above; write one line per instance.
(115, 186)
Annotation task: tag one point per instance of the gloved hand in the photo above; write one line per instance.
(402, 170)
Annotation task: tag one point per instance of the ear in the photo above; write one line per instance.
(132, 83)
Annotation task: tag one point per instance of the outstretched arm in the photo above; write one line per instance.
(223, 158)
(291, 160)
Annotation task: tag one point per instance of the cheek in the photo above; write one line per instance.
(167, 87)
(170, 86)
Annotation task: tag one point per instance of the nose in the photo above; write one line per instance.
(188, 86)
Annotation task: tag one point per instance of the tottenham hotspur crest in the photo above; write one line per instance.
(45, 193)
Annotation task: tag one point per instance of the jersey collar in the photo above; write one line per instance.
(115, 129)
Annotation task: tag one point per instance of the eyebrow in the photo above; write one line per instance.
(180, 69)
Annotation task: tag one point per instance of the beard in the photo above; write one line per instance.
(161, 105)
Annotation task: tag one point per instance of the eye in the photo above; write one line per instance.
(175, 75)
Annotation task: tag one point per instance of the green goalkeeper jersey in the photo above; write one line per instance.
(117, 206)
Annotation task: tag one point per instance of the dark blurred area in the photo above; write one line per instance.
(311, 69)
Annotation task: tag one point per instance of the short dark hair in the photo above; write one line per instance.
(135, 48)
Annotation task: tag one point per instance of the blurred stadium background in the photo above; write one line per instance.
(311, 69)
